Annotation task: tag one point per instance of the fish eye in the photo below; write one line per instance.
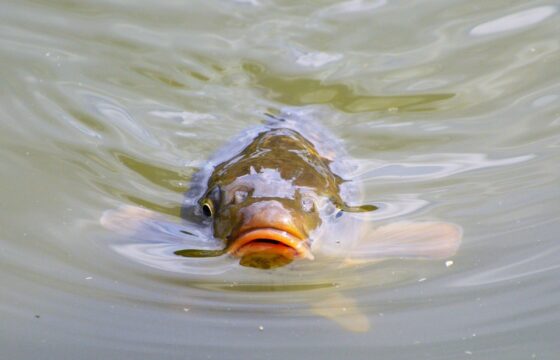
(211, 200)
(207, 208)
(240, 196)
(307, 204)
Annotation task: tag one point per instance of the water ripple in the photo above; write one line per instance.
(110, 103)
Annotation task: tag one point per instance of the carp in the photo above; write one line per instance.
(280, 193)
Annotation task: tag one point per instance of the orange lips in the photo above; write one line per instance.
(270, 240)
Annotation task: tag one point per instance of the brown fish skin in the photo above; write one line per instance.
(266, 201)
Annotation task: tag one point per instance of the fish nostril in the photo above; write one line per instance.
(307, 204)
(240, 196)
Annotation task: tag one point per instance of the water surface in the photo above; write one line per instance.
(451, 110)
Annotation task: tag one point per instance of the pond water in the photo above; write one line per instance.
(451, 108)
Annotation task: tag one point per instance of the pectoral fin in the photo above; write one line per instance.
(416, 240)
(199, 253)
(343, 311)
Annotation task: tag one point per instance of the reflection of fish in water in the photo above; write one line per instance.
(278, 193)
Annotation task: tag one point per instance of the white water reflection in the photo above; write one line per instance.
(515, 21)
(184, 117)
(545, 100)
(351, 7)
(316, 59)
(435, 166)
(81, 127)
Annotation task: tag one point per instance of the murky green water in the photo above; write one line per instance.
(451, 108)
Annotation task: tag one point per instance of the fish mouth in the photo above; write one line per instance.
(270, 240)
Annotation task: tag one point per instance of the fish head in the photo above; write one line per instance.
(267, 202)
(266, 221)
